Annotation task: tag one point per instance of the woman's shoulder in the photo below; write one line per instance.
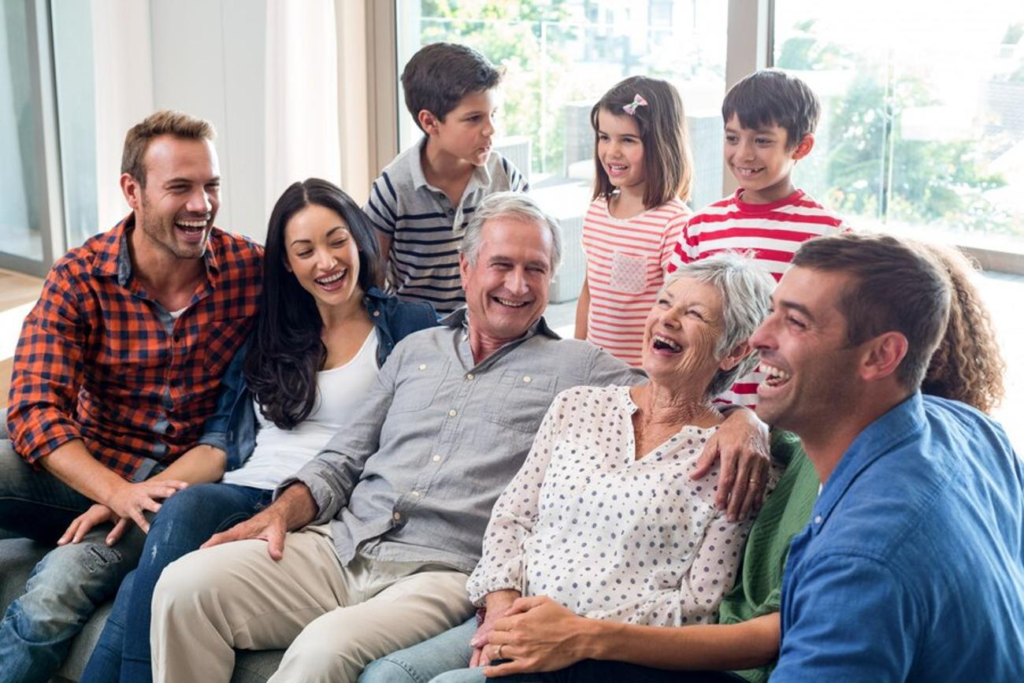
(401, 317)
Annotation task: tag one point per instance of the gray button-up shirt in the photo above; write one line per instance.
(414, 474)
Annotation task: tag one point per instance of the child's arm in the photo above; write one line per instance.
(583, 311)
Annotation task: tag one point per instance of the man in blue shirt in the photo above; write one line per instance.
(912, 567)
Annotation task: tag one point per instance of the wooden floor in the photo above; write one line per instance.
(15, 292)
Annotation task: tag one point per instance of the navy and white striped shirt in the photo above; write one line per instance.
(425, 229)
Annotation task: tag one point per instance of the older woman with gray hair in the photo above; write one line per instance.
(603, 517)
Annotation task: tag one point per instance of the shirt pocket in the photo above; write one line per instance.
(629, 272)
(519, 400)
(418, 387)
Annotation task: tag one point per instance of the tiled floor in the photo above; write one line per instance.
(1003, 293)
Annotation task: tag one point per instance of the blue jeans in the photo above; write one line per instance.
(420, 663)
(185, 522)
(68, 584)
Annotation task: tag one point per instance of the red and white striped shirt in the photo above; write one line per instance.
(626, 261)
(772, 231)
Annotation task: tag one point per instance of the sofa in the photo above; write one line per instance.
(17, 558)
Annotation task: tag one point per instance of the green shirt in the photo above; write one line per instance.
(784, 514)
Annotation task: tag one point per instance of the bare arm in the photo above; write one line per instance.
(75, 467)
(541, 635)
(583, 311)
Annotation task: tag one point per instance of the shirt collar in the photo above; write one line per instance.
(114, 258)
(481, 177)
(459, 319)
(881, 437)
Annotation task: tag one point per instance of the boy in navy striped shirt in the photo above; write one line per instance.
(423, 199)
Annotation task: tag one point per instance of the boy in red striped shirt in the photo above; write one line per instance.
(770, 119)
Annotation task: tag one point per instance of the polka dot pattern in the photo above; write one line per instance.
(609, 536)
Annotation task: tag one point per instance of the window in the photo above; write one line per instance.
(923, 126)
(559, 58)
(25, 239)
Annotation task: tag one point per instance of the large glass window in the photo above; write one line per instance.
(21, 178)
(923, 127)
(559, 57)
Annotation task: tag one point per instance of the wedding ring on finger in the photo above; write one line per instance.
(497, 653)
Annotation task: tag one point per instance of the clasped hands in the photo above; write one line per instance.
(534, 634)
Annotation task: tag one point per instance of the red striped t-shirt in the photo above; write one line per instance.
(626, 261)
(772, 231)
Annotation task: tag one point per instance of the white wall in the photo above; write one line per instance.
(208, 60)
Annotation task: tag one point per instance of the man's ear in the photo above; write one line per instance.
(883, 355)
(463, 268)
(428, 122)
(733, 358)
(132, 191)
(803, 148)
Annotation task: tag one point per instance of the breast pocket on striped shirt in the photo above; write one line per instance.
(629, 272)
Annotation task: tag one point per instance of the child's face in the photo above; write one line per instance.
(760, 160)
(620, 150)
(467, 130)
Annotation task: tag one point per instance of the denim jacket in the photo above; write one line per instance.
(233, 426)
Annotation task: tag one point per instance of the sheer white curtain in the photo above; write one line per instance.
(123, 67)
(301, 95)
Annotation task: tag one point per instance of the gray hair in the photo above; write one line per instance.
(746, 289)
(511, 205)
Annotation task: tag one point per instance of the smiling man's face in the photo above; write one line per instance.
(507, 287)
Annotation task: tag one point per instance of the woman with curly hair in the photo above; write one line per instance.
(321, 335)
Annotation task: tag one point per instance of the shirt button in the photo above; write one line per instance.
(436, 458)
(376, 314)
(452, 412)
(423, 366)
(415, 494)
(451, 212)
(470, 376)
(817, 520)
(527, 379)
(397, 516)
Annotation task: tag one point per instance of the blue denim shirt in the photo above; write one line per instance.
(233, 427)
(912, 567)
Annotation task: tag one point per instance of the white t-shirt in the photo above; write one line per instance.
(280, 453)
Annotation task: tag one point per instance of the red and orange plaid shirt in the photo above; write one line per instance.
(99, 360)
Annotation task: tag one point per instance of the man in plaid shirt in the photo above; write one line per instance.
(117, 366)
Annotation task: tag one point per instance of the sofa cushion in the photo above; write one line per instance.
(17, 558)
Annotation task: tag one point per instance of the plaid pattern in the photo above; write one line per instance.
(100, 361)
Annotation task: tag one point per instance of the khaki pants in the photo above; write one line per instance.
(333, 620)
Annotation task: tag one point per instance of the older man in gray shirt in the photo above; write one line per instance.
(366, 550)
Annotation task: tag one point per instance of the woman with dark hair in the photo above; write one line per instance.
(321, 335)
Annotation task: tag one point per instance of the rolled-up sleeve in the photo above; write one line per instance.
(47, 372)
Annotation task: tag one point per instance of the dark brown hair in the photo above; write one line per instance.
(967, 366)
(286, 351)
(166, 122)
(895, 287)
(441, 74)
(770, 97)
(668, 161)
